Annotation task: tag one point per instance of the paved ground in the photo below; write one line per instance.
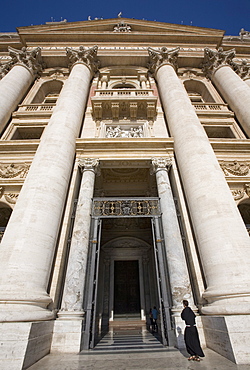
(168, 359)
(133, 351)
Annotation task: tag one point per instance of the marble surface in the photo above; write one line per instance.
(170, 359)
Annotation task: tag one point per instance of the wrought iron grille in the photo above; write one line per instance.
(126, 207)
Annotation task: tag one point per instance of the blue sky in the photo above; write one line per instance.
(228, 15)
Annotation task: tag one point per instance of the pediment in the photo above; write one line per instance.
(111, 29)
(108, 25)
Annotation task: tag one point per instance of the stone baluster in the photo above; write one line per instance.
(177, 267)
(29, 242)
(221, 235)
(17, 76)
(219, 65)
(72, 302)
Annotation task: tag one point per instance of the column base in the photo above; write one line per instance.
(229, 336)
(70, 315)
(24, 343)
(67, 336)
(227, 305)
(24, 312)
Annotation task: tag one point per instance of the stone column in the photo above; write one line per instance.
(177, 268)
(72, 303)
(29, 242)
(18, 75)
(218, 66)
(221, 235)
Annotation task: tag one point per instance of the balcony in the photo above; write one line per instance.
(118, 104)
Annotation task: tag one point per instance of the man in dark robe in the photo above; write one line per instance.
(191, 336)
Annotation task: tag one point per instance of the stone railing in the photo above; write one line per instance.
(36, 107)
(116, 93)
(210, 106)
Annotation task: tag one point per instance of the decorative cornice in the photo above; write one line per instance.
(214, 59)
(89, 164)
(29, 59)
(85, 56)
(159, 164)
(161, 57)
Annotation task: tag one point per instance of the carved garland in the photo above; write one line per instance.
(13, 170)
(235, 168)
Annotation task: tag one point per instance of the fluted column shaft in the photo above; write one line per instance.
(178, 273)
(72, 303)
(220, 232)
(28, 245)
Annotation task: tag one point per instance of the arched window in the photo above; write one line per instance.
(48, 92)
(198, 92)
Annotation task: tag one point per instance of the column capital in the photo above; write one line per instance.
(89, 164)
(5, 68)
(243, 69)
(161, 57)
(159, 164)
(32, 60)
(214, 59)
(85, 56)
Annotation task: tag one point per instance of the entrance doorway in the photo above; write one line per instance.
(126, 288)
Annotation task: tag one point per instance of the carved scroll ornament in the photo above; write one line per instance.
(235, 168)
(30, 59)
(161, 57)
(83, 55)
(214, 59)
(243, 69)
(13, 170)
(239, 193)
(159, 164)
(89, 164)
(5, 68)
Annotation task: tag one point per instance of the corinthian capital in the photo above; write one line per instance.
(159, 164)
(214, 59)
(5, 68)
(89, 164)
(30, 59)
(243, 69)
(162, 56)
(83, 55)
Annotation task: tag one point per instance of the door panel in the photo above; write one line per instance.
(126, 287)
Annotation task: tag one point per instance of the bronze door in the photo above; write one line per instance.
(126, 287)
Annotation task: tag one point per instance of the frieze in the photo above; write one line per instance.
(235, 168)
(11, 170)
(30, 59)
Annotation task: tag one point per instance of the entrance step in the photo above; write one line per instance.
(130, 342)
(124, 325)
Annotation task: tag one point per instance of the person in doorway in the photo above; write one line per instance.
(191, 335)
(151, 325)
(155, 317)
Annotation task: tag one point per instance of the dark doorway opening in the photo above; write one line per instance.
(126, 288)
